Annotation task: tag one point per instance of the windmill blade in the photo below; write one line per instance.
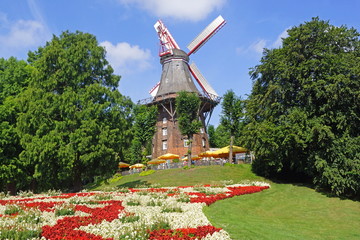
(166, 39)
(206, 34)
(202, 81)
(154, 90)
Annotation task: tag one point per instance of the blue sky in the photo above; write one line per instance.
(125, 28)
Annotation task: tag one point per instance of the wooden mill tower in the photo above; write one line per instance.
(177, 76)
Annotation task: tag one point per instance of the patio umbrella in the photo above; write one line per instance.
(123, 165)
(138, 165)
(208, 154)
(156, 161)
(192, 157)
(168, 156)
(224, 152)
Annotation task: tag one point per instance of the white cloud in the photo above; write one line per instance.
(192, 10)
(125, 58)
(18, 37)
(258, 46)
(35, 10)
(279, 39)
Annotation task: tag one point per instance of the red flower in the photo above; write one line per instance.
(183, 233)
(64, 228)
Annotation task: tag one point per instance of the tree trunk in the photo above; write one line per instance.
(231, 149)
(77, 174)
(11, 188)
(33, 185)
(189, 151)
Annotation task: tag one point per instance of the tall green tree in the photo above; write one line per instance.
(222, 136)
(13, 80)
(219, 136)
(304, 111)
(187, 110)
(144, 129)
(212, 137)
(232, 117)
(73, 118)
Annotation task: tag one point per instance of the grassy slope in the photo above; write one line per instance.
(181, 177)
(285, 211)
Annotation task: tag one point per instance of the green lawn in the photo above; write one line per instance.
(180, 177)
(285, 211)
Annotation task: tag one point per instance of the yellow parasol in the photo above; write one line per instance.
(168, 156)
(123, 165)
(156, 161)
(192, 157)
(208, 154)
(224, 152)
(138, 165)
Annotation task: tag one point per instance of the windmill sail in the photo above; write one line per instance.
(206, 34)
(154, 90)
(202, 81)
(166, 39)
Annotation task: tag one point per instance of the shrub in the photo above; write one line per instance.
(145, 173)
(64, 211)
(16, 234)
(12, 209)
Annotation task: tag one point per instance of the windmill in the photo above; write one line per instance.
(176, 77)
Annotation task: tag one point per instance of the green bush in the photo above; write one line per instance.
(145, 173)
(187, 167)
(160, 224)
(115, 178)
(129, 218)
(154, 203)
(12, 209)
(31, 216)
(170, 209)
(19, 235)
(133, 203)
(64, 211)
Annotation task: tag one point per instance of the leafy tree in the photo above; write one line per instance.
(13, 80)
(187, 110)
(74, 122)
(304, 111)
(232, 116)
(219, 136)
(212, 137)
(222, 136)
(144, 129)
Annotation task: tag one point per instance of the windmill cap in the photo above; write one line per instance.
(176, 53)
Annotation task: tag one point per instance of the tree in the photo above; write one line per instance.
(304, 111)
(222, 135)
(232, 116)
(144, 129)
(212, 137)
(74, 122)
(219, 136)
(13, 80)
(187, 110)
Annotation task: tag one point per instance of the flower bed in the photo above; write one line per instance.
(151, 213)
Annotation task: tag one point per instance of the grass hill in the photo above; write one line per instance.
(285, 211)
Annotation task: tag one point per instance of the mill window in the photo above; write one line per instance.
(186, 142)
(164, 144)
